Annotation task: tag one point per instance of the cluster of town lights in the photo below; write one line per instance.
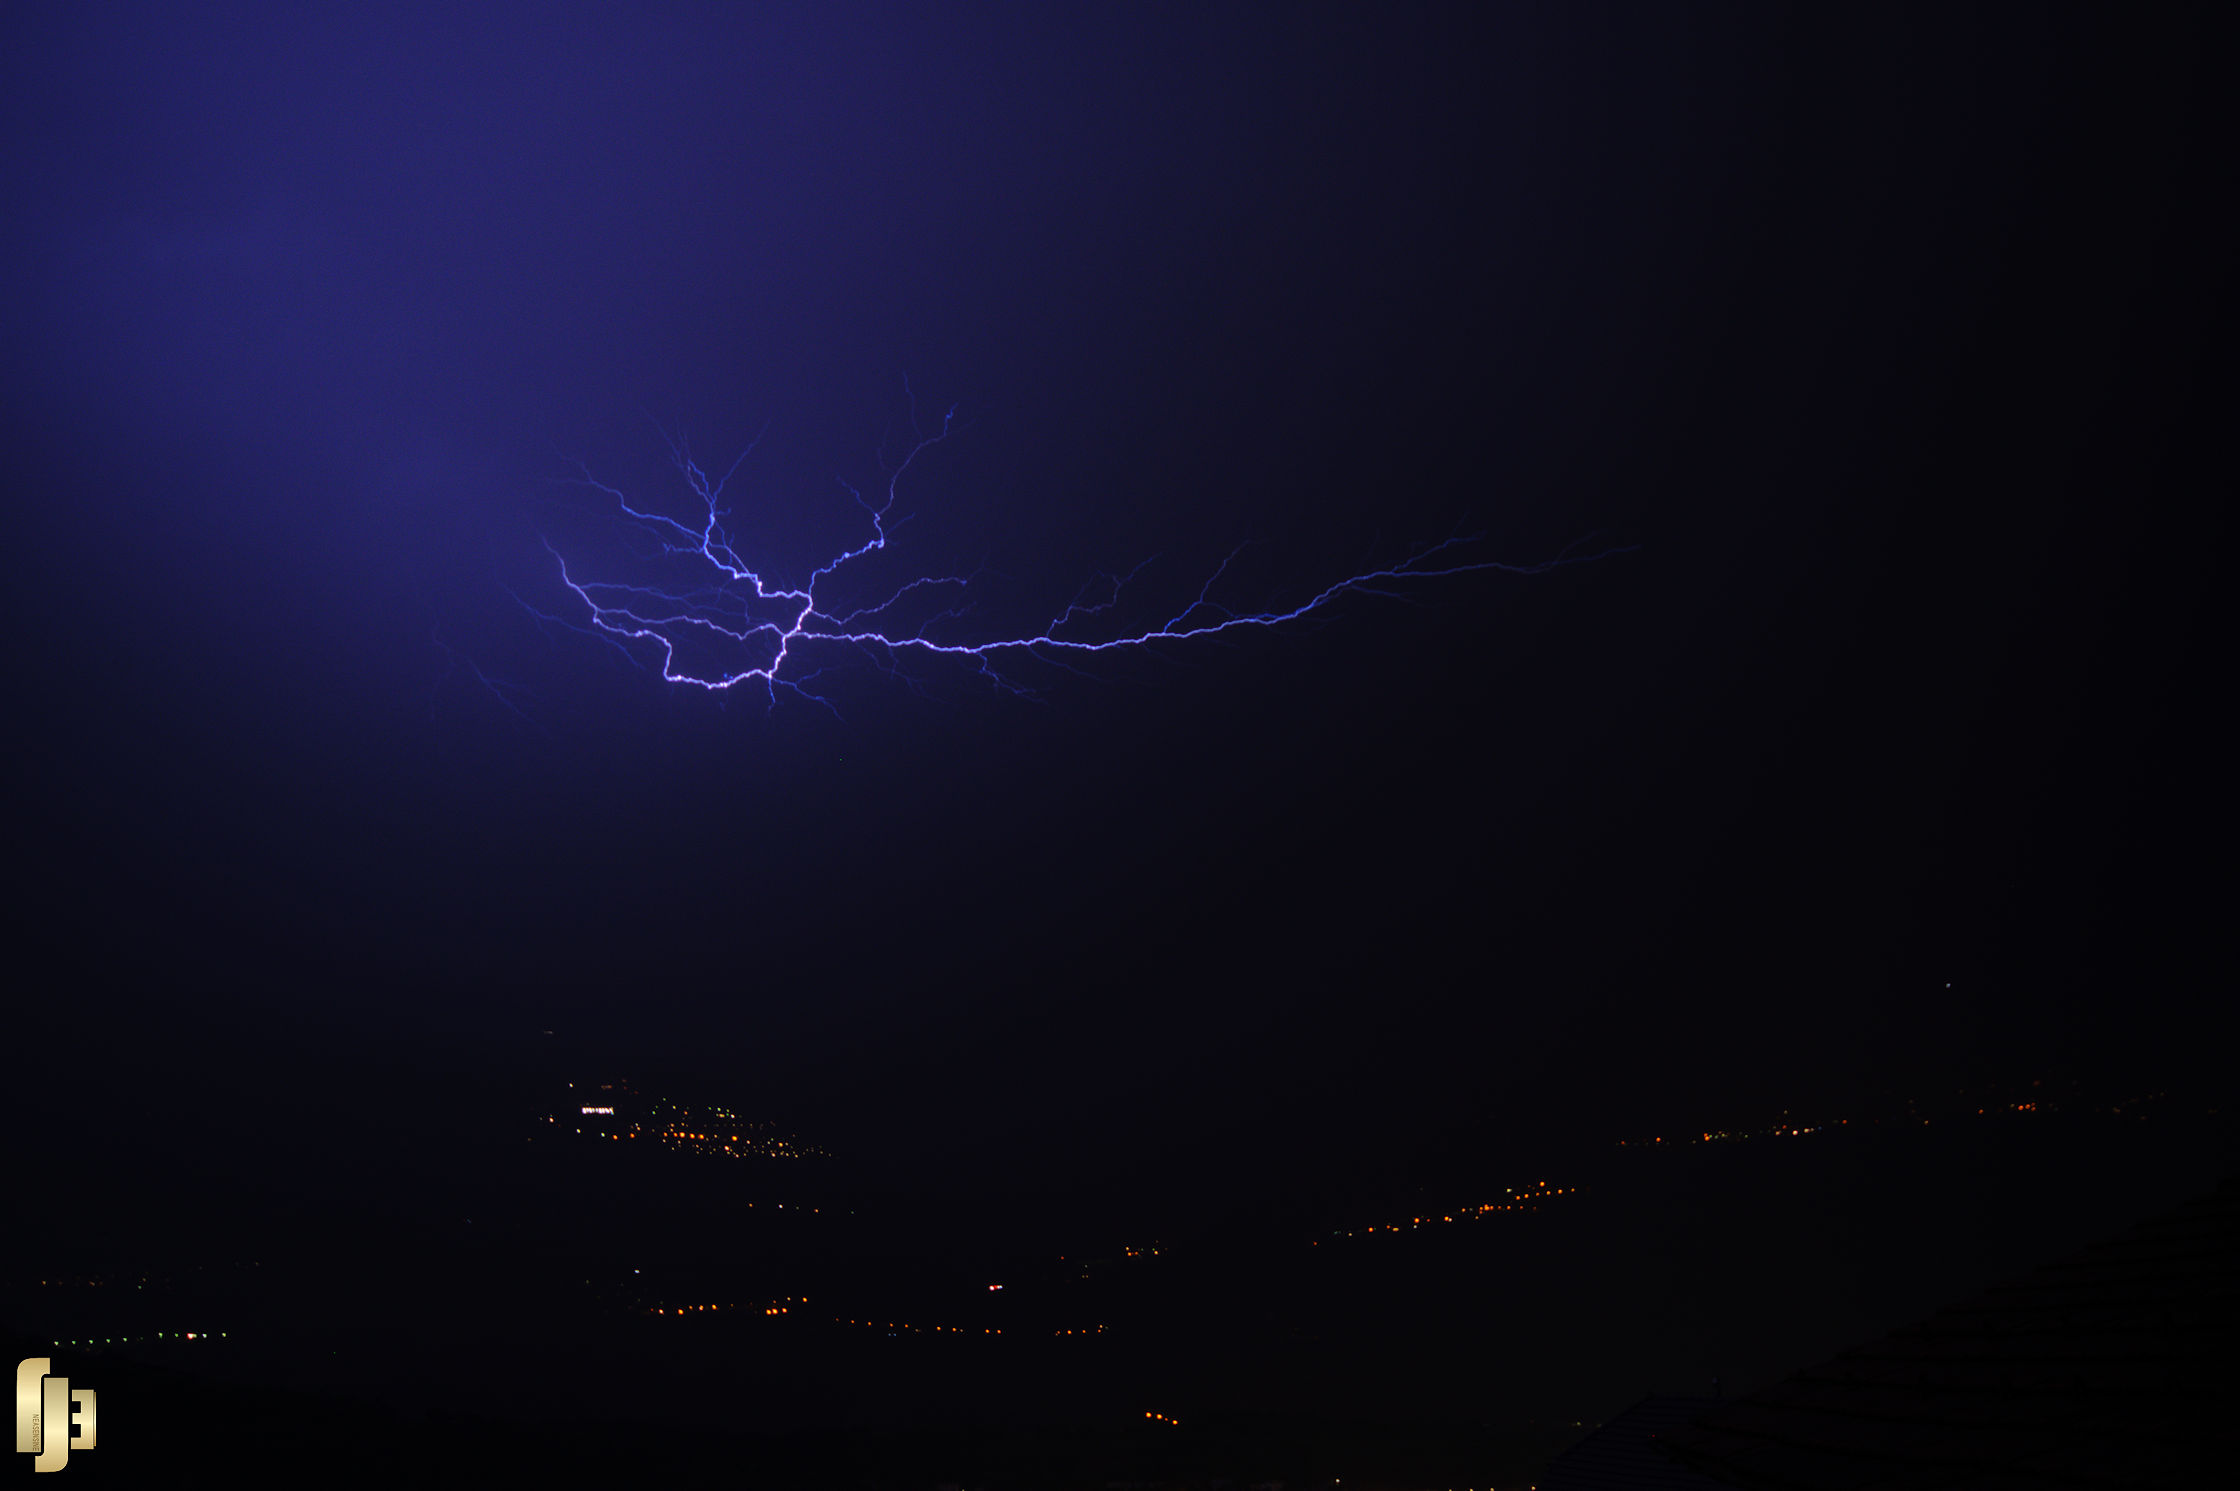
(1786, 1128)
(717, 1131)
(1782, 1130)
(775, 1307)
(1513, 1201)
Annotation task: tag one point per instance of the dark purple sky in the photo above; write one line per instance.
(1885, 340)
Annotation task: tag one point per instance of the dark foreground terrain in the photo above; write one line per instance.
(457, 1286)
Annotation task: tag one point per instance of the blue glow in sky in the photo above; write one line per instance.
(1311, 315)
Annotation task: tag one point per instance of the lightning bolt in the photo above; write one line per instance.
(710, 619)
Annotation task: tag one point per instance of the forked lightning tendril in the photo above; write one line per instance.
(713, 621)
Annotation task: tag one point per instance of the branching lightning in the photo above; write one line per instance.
(708, 618)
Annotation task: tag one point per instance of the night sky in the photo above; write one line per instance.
(1882, 759)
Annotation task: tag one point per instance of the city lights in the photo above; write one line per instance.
(1512, 1202)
